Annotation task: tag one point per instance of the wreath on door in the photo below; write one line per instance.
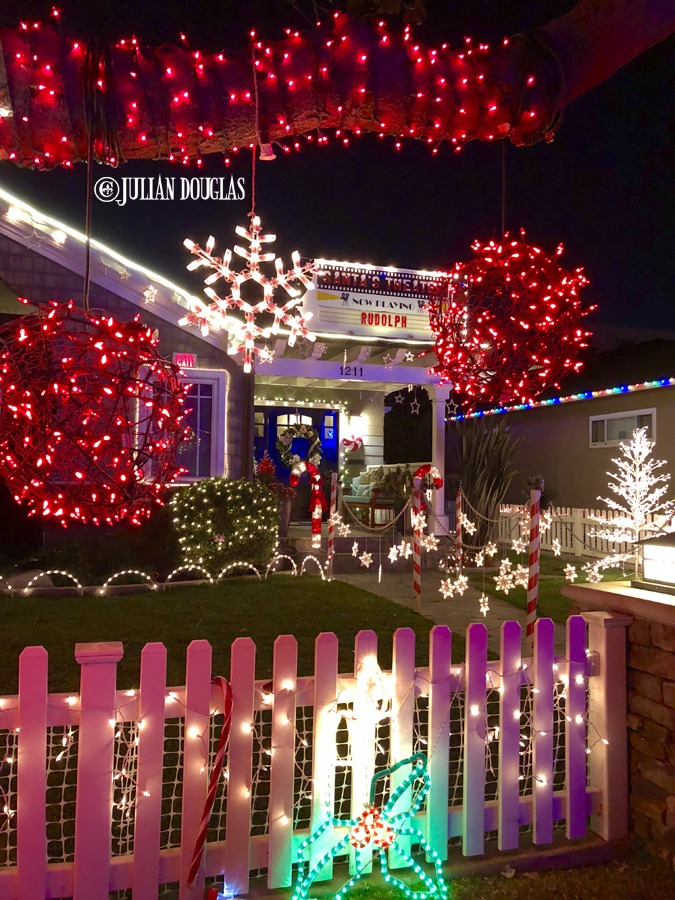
(285, 440)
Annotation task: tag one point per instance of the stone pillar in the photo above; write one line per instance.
(650, 686)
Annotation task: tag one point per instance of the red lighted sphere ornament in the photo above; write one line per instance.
(508, 323)
(91, 416)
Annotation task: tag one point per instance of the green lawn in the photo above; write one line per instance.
(302, 606)
(638, 875)
(552, 604)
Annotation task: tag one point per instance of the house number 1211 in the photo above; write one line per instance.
(351, 371)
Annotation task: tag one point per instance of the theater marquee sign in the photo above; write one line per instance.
(370, 301)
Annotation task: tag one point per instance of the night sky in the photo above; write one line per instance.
(605, 186)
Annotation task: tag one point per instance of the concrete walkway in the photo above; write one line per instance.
(456, 612)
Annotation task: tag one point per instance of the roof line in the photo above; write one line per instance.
(571, 398)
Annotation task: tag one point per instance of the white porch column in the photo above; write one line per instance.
(441, 392)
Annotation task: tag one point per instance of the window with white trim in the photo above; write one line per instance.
(203, 454)
(615, 428)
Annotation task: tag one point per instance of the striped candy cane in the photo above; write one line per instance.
(331, 524)
(458, 530)
(533, 580)
(416, 514)
(215, 775)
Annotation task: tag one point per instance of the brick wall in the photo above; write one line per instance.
(651, 724)
(40, 279)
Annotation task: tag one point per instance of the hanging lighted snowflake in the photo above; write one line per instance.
(288, 313)
(484, 604)
(366, 560)
(507, 324)
(393, 554)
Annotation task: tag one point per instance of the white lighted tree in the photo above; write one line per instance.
(641, 490)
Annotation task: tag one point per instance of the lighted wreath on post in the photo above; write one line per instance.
(285, 440)
(91, 416)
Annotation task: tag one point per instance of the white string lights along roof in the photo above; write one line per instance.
(288, 313)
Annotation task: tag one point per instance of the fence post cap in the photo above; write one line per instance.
(608, 619)
(99, 652)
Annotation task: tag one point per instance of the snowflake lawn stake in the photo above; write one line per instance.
(247, 332)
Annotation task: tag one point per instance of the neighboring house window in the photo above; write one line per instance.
(611, 430)
(203, 453)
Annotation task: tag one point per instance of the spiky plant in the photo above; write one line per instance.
(485, 465)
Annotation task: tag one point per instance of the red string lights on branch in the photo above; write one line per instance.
(344, 77)
(507, 324)
(91, 416)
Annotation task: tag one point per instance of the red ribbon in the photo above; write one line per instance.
(371, 827)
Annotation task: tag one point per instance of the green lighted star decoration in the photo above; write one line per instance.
(382, 829)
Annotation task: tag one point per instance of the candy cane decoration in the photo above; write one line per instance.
(223, 684)
(458, 530)
(317, 502)
(533, 580)
(417, 531)
(331, 525)
(428, 469)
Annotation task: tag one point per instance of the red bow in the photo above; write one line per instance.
(371, 827)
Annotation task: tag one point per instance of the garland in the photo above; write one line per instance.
(285, 442)
(344, 76)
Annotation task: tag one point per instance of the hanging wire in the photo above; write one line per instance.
(503, 188)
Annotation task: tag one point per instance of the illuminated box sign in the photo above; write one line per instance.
(658, 563)
(185, 360)
(370, 301)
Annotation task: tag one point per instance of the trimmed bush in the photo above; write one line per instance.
(219, 522)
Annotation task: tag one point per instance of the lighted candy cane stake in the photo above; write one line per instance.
(533, 580)
(416, 516)
(224, 685)
(458, 530)
(317, 502)
(331, 525)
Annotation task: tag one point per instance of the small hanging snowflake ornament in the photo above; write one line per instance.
(288, 313)
(366, 560)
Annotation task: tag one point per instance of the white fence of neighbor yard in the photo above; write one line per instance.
(574, 529)
(104, 790)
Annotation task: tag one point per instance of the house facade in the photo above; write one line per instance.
(571, 438)
(372, 337)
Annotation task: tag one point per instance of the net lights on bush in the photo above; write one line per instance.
(245, 334)
(91, 416)
(507, 324)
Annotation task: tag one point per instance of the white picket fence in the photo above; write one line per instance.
(104, 790)
(575, 529)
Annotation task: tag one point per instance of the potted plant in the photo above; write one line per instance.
(396, 484)
(266, 474)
